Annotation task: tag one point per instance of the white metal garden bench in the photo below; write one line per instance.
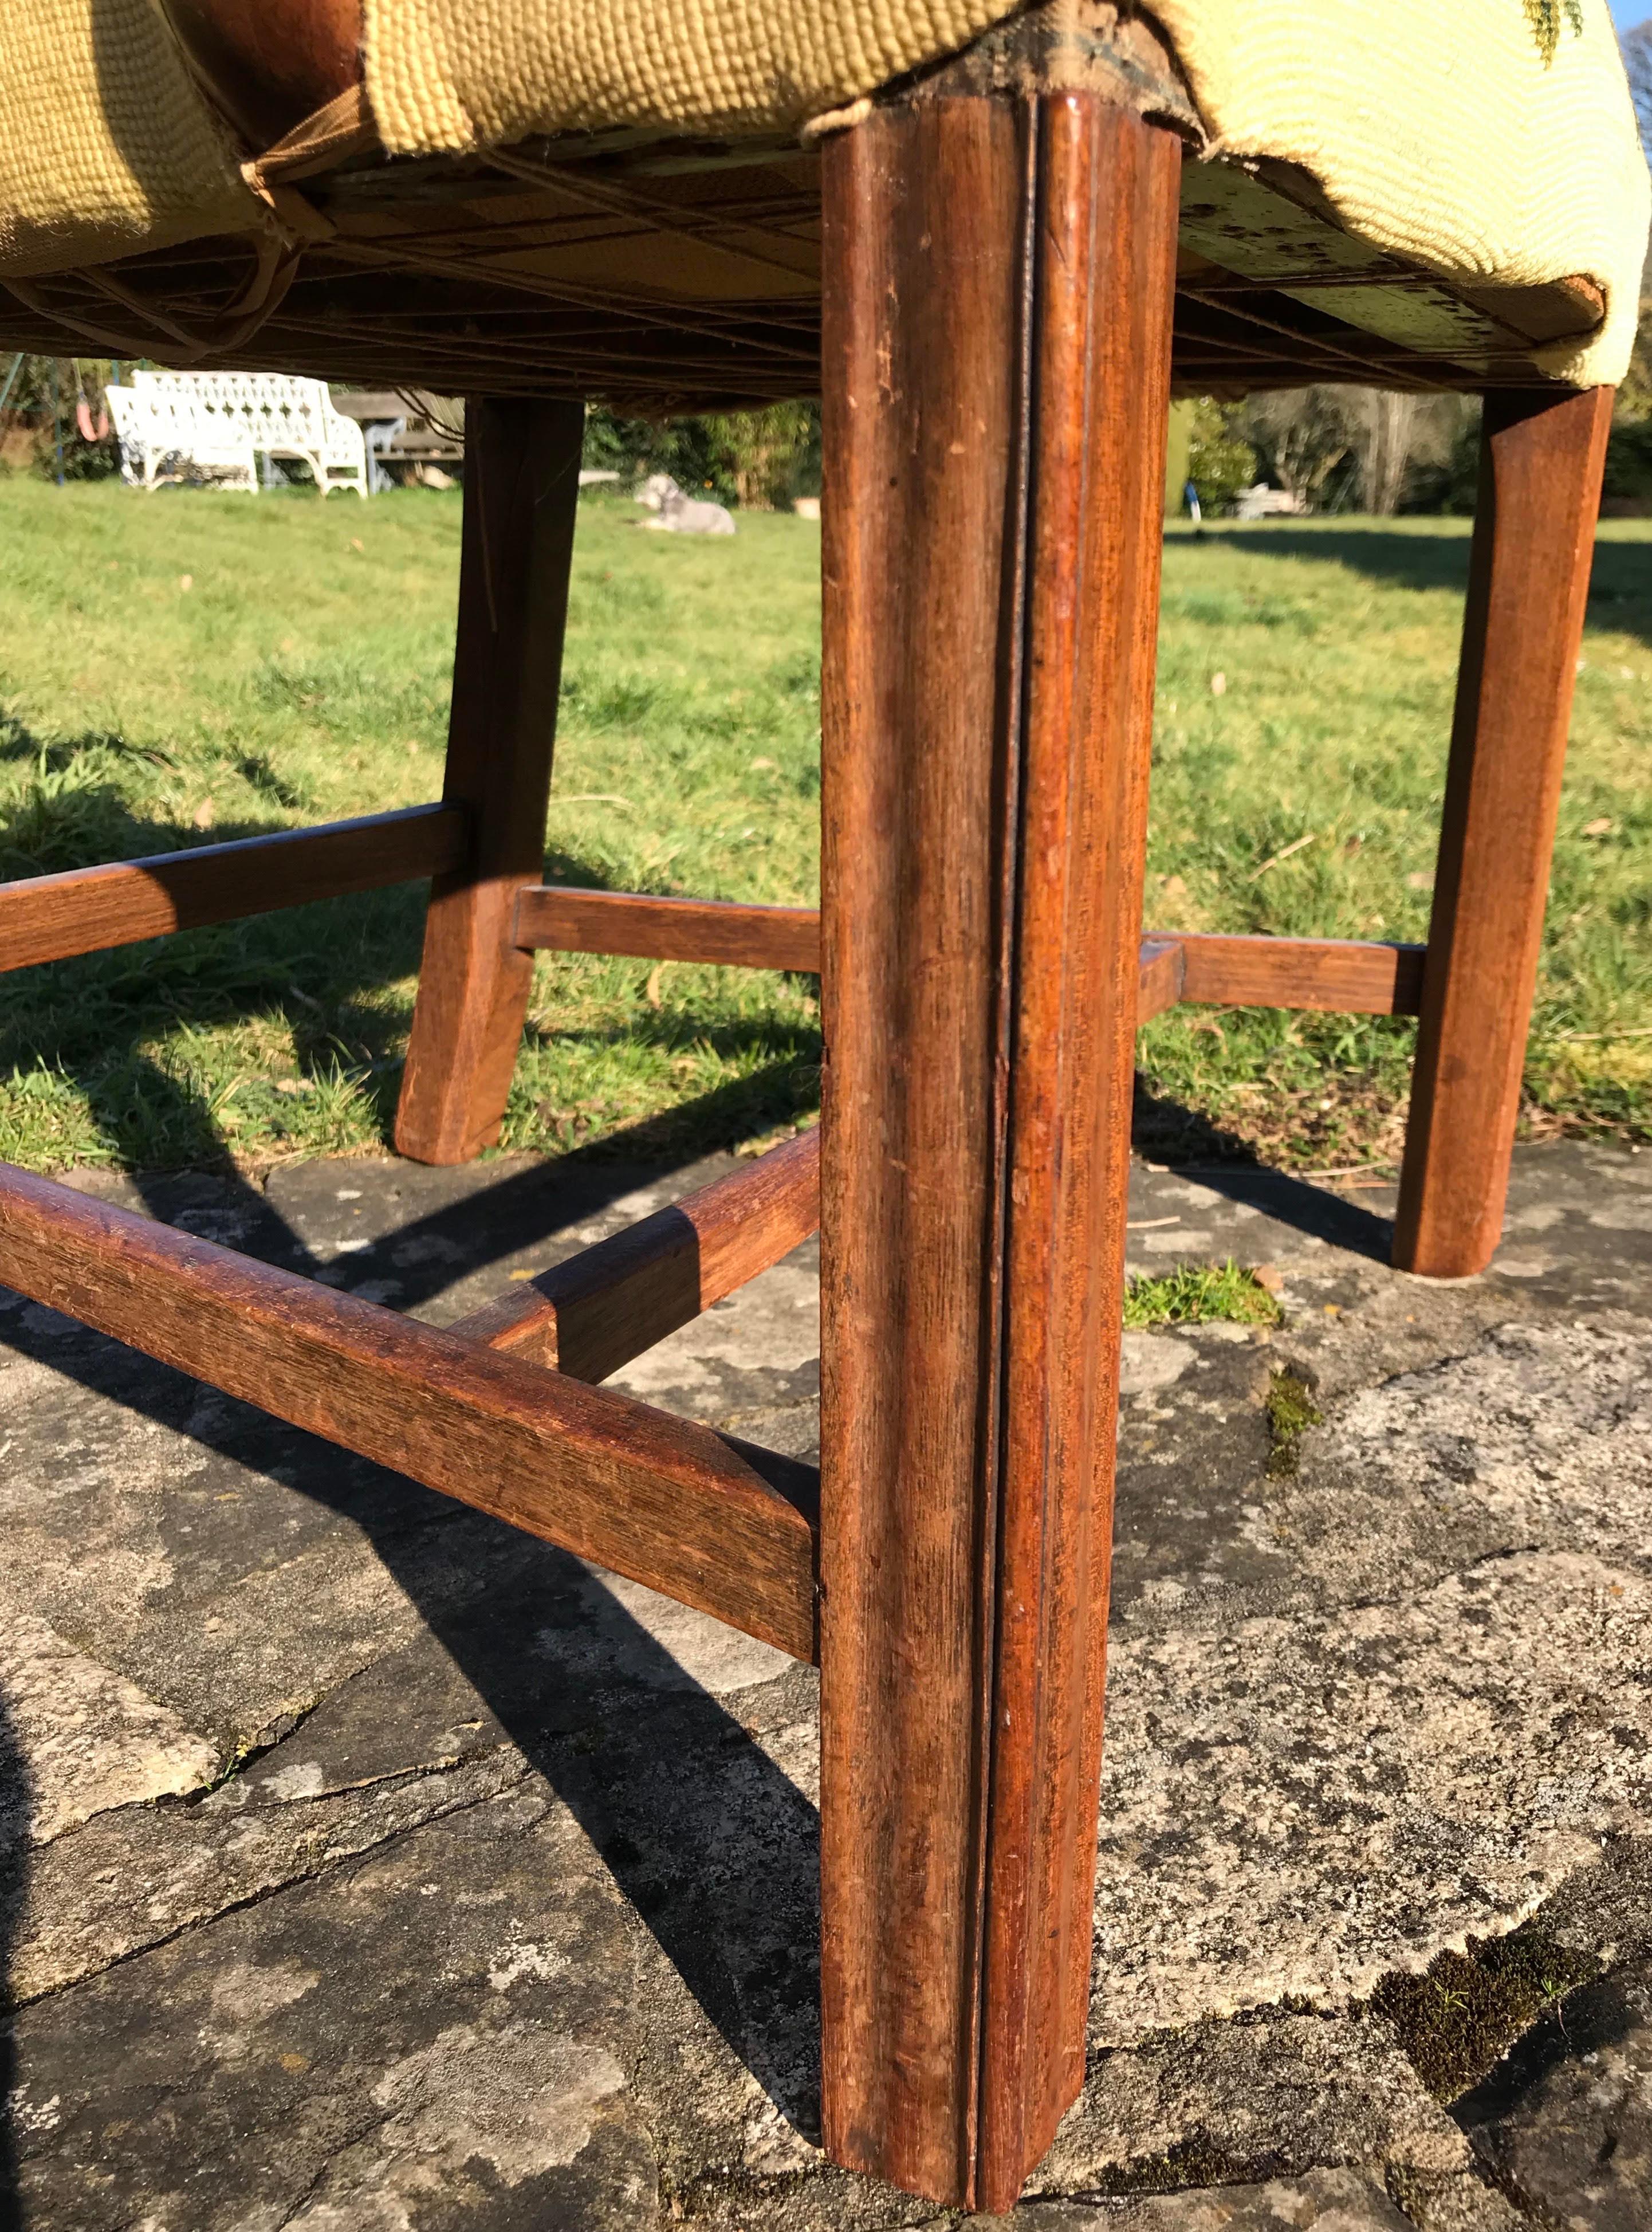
(174, 425)
(163, 438)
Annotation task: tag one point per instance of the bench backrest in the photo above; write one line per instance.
(157, 419)
(281, 414)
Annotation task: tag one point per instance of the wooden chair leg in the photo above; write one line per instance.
(1541, 456)
(998, 290)
(521, 481)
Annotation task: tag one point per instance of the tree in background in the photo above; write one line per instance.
(1220, 461)
(1303, 440)
(1385, 435)
(51, 409)
(1635, 391)
(1628, 453)
(773, 457)
(762, 459)
(1637, 66)
(1359, 449)
(1446, 476)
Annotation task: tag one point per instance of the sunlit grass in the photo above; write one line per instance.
(1197, 1294)
(302, 674)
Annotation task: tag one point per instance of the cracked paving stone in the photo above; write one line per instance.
(1232, 2101)
(1565, 2123)
(1323, 2200)
(132, 1880)
(92, 1739)
(370, 1865)
(431, 2029)
(1294, 1806)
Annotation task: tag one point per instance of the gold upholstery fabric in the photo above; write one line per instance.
(1441, 134)
(106, 146)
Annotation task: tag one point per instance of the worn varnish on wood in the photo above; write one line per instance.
(87, 910)
(998, 287)
(614, 1300)
(1342, 974)
(720, 1526)
(521, 485)
(1541, 460)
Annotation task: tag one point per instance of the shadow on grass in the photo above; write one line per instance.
(96, 1021)
(1620, 592)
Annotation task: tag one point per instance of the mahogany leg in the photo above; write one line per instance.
(998, 289)
(1541, 454)
(521, 484)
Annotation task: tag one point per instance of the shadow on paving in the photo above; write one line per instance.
(484, 1226)
(698, 1825)
(93, 1018)
(17, 1810)
(607, 1747)
(1185, 1141)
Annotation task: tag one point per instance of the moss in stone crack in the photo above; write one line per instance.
(1189, 2166)
(1458, 2020)
(1291, 1411)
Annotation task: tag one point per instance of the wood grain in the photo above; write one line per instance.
(269, 64)
(521, 485)
(999, 275)
(569, 921)
(1161, 973)
(1344, 974)
(608, 1304)
(85, 910)
(1541, 458)
(662, 1499)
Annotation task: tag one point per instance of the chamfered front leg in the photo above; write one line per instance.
(521, 485)
(998, 273)
(1541, 454)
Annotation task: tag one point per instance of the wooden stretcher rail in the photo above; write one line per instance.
(591, 1314)
(712, 1522)
(1345, 974)
(669, 929)
(84, 910)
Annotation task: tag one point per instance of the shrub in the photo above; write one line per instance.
(1220, 461)
(759, 459)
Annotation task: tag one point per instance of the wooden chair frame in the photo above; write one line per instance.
(999, 275)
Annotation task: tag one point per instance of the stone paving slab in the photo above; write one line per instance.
(365, 1865)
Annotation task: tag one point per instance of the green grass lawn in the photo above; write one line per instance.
(190, 663)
